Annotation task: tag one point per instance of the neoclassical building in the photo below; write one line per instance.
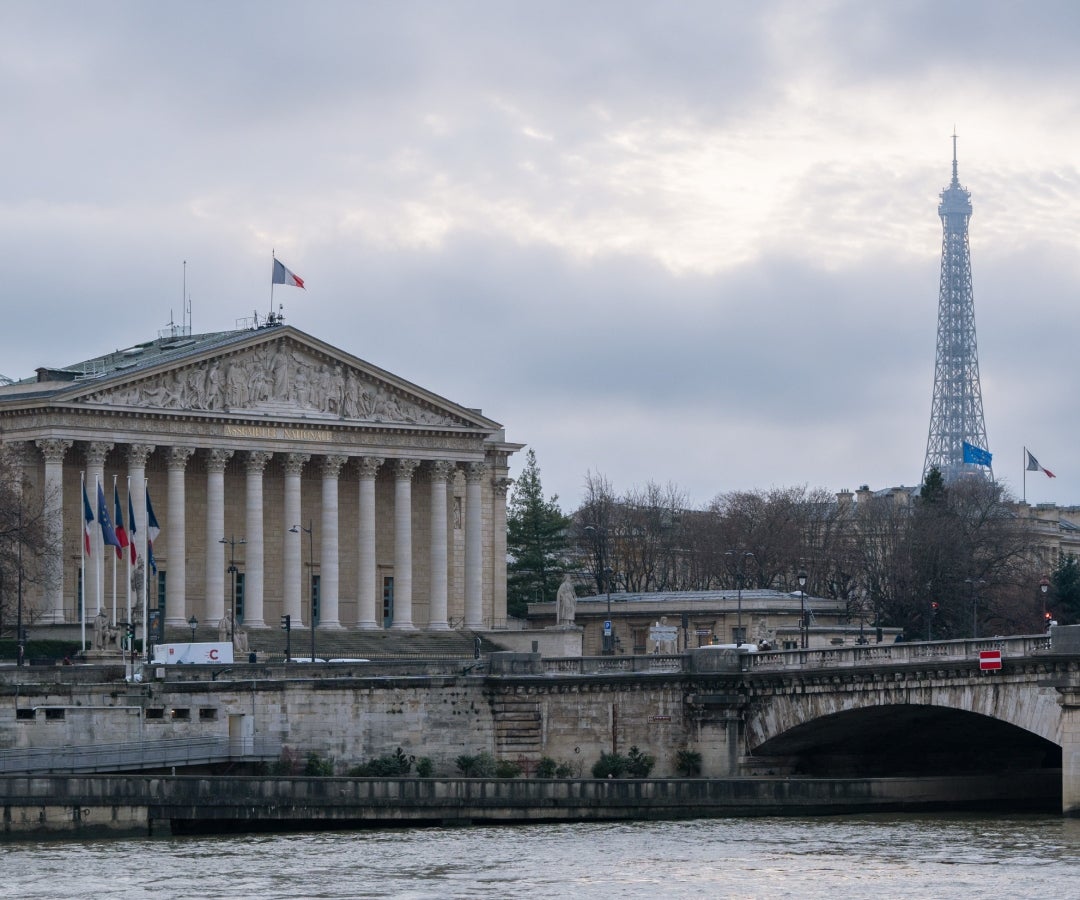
(274, 462)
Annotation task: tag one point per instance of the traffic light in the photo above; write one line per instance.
(934, 607)
(286, 623)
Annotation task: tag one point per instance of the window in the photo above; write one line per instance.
(181, 715)
(738, 635)
(239, 598)
(315, 598)
(207, 714)
(54, 715)
(24, 715)
(154, 712)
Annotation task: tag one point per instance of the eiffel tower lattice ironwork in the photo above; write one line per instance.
(956, 413)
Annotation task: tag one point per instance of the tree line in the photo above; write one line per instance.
(940, 561)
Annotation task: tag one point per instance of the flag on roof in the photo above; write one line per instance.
(976, 455)
(283, 276)
(1034, 466)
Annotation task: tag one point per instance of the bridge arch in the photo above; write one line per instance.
(957, 725)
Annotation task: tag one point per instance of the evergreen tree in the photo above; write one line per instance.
(1064, 603)
(536, 542)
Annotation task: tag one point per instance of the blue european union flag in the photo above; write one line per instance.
(976, 455)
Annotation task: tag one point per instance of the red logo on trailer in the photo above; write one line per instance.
(989, 660)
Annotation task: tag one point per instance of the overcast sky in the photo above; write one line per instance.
(682, 242)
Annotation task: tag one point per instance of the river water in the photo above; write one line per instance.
(886, 856)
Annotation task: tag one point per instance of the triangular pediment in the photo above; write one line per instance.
(280, 373)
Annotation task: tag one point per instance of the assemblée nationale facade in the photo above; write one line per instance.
(273, 450)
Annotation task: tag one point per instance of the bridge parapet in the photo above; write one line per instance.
(913, 653)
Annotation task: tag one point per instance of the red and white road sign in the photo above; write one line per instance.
(989, 660)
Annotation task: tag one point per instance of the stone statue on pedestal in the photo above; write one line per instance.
(565, 602)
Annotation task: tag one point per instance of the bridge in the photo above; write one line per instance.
(888, 710)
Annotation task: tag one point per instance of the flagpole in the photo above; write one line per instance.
(1025, 475)
(145, 576)
(82, 566)
(99, 581)
(127, 572)
(273, 259)
(114, 563)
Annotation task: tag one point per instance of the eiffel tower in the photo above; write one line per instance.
(956, 413)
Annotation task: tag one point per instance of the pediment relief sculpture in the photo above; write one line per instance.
(274, 378)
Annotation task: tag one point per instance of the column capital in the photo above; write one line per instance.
(368, 466)
(295, 462)
(96, 451)
(217, 459)
(178, 457)
(442, 470)
(138, 454)
(501, 486)
(404, 468)
(256, 461)
(53, 449)
(331, 465)
(475, 471)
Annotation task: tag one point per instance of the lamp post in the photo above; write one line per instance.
(232, 541)
(310, 532)
(1044, 587)
(804, 625)
(974, 598)
(193, 623)
(603, 582)
(739, 569)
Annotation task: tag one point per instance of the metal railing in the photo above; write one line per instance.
(137, 755)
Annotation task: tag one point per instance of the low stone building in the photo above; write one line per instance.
(701, 618)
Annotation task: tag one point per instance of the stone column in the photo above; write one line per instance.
(440, 474)
(367, 587)
(53, 501)
(254, 575)
(474, 580)
(95, 454)
(176, 610)
(216, 461)
(137, 455)
(403, 473)
(498, 550)
(329, 616)
(292, 543)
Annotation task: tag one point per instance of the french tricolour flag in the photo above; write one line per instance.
(283, 276)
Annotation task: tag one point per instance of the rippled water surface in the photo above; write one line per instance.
(872, 856)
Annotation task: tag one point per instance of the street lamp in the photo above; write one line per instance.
(1044, 587)
(310, 532)
(233, 541)
(804, 626)
(603, 581)
(973, 597)
(739, 570)
(193, 623)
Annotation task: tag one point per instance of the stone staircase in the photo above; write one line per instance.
(517, 727)
(269, 643)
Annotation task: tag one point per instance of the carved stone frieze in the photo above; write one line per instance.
(276, 378)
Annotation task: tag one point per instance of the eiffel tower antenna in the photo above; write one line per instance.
(956, 413)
